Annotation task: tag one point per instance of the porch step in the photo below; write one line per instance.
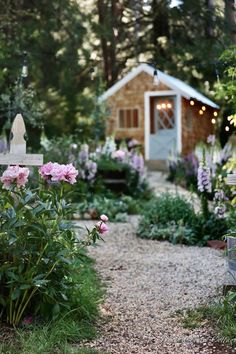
(156, 165)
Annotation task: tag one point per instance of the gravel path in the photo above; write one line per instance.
(148, 283)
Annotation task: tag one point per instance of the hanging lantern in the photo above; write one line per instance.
(155, 78)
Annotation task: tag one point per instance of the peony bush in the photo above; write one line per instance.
(39, 249)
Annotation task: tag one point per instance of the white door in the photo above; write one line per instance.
(163, 130)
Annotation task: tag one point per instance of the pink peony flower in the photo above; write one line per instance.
(55, 172)
(104, 218)
(46, 170)
(15, 174)
(102, 228)
(70, 174)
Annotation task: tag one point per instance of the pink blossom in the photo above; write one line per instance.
(118, 154)
(133, 143)
(70, 174)
(46, 170)
(211, 139)
(55, 172)
(15, 174)
(104, 218)
(102, 228)
(27, 320)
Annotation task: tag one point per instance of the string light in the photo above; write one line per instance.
(201, 112)
(215, 114)
(229, 118)
(159, 107)
(169, 105)
(155, 78)
(92, 73)
(24, 70)
(163, 105)
(213, 121)
(203, 108)
(227, 128)
(192, 102)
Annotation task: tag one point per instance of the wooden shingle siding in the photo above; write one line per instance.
(131, 96)
(195, 128)
(201, 125)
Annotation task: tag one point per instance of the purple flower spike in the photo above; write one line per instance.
(204, 179)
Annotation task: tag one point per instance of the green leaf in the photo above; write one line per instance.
(13, 275)
(64, 297)
(2, 301)
(16, 294)
(25, 286)
(56, 310)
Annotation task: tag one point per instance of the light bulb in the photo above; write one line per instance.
(201, 112)
(158, 106)
(215, 114)
(155, 78)
(227, 128)
(169, 105)
(24, 71)
(92, 73)
(192, 102)
(163, 105)
(203, 108)
(213, 121)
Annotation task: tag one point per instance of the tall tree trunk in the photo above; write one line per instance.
(102, 11)
(160, 24)
(209, 27)
(230, 18)
(113, 60)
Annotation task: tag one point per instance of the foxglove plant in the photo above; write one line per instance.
(220, 200)
(109, 147)
(204, 184)
(204, 179)
(84, 153)
(137, 163)
(87, 167)
(211, 139)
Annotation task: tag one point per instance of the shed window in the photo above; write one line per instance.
(128, 118)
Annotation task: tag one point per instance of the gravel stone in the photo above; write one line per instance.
(147, 282)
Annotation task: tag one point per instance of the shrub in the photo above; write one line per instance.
(172, 218)
(40, 253)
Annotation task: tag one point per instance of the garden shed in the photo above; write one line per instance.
(165, 116)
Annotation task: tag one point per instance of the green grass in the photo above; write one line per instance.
(64, 334)
(220, 315)
(194, 318)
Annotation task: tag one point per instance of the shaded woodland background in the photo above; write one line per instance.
(76, 49)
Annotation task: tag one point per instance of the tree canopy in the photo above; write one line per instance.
(68, 41)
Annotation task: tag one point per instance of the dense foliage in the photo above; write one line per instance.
(41, 255)
(173, 218)
(103, 39)
(105, 172)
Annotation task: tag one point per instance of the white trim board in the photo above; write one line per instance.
(147, 96)
(174, 84)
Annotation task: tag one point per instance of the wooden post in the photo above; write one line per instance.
(17, 154)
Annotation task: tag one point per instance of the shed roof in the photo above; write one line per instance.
(177, 85)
